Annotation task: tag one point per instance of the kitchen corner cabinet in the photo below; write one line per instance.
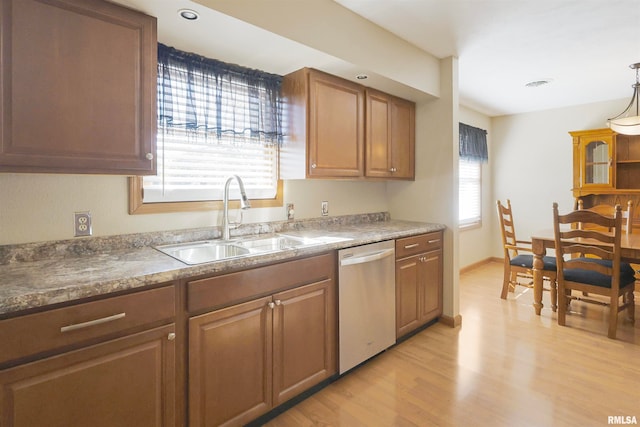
(246, 358)
(104, 363)
(78, 88)
(390, 136)
(418, 281)
(326, 126)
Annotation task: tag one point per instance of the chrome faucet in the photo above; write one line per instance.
(244, 204)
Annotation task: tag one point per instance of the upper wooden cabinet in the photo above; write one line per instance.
(605, 162)
(390, 136)
(78, 88)
(339, 129)
(325, 117)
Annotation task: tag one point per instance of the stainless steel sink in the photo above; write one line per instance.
(218, 250)
(201, 252)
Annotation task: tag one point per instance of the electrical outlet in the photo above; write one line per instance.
(290, 211)
(82, 224)
(324, 210)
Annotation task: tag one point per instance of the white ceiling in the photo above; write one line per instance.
(583, 46)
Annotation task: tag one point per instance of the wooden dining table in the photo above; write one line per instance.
(544, 239)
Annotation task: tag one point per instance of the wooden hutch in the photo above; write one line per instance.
(606, 168)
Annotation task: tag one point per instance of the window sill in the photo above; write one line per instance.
(471, 226)
(137, 207)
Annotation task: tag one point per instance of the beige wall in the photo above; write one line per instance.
(475, 243)
(433, 197)
(40, 207)
(532, 161)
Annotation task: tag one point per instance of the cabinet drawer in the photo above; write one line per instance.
(418, 244)
(62, 327)
(227, 289)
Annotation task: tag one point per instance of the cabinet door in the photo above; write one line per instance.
(408, 278)
(230, 364)
(124, 382)
(378, 146)
(597, 164)
(336, 127)
(390, 136)
(403, 127)
(430, 289)
(304, 337)
(593, 161)
(78, 87)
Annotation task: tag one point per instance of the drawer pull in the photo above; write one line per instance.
(92, 322)
(415, 245)
(434, 241)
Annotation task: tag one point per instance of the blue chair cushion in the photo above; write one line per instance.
(527, 262)
(627, 275)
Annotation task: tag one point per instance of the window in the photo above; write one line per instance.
(473, 152)
(470, 193)
(214, 120)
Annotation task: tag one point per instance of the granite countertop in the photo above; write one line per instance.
(38, 275)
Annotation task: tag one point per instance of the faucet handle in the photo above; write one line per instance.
(237, 223)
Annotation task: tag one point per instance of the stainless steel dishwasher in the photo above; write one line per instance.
(367, 302)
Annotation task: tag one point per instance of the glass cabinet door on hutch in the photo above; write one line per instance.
(593, 159)
(596, 163)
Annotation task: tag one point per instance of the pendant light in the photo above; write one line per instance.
(628, 122)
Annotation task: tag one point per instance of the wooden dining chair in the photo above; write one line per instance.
(609, 210)
(588, 261)
(518, 258)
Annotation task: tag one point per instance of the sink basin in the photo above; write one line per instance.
(269, 244)
(201, 252)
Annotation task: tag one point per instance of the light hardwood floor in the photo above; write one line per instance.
(504, 367)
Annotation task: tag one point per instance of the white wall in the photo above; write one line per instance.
(532, 162)
(475, 243)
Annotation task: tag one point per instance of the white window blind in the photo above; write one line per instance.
(192, 170)
(470, 192)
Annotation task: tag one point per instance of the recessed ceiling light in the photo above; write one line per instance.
(189, 14)
(362, 76)
(538, 83)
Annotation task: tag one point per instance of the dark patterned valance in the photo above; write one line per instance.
(473, 143)
(215, 98)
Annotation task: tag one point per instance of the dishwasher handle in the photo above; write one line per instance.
(374, 256)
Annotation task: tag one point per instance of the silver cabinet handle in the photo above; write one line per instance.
(92, 322)
(149, 156)
(278, 302)
(415, 245)
(171, 336)
(434, 241)
(313, 166)
(271, 305)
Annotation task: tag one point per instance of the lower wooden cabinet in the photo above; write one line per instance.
(128, 381)
(248, 358)
(109, 362)
(418, 281)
